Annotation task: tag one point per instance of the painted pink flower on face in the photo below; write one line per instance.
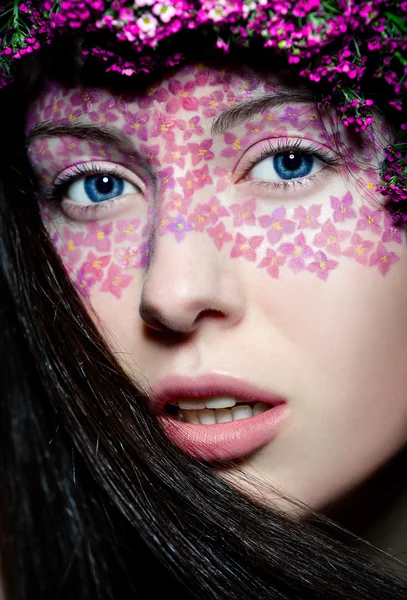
(383, 259)
(244, 213)
(180, 228)
(136, 125)
(223, 179)
(71, 247)
(166, 178)
(330, 238)
(392, 233)
(151, 153)
(188, 184)
(215, 210)
(103, 115)
(190, 127)
(202, 177)
(69, 147)
(277, 223)
(175, 154)
(95, 264)
(246, 246)
(322, 265)
(178, 202)
(342, 208)
(219, 235)
(370, 221)
(233, 143)
(292, 115)
(85, 99)
(40, 151)
(183, 96)
(100, 151)
(211, 103)
(199, 218)
(201, 151)
(83, 281)
(127, 230)
(273, 262)
(162, 126)
(127, 257)
(115, 281)
(54, 110)
(359, 250)
(98, 236)
(308, 219)
(152, 96)
(297, 253)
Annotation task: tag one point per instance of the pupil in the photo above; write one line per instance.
(292, 160)
(104, 184)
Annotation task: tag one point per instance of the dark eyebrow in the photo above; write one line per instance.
(238, 115)
(85, 131)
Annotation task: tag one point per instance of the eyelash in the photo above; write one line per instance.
(281, 147)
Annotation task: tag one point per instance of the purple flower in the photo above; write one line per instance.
(180, 228)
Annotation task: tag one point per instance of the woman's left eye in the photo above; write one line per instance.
(292, 164)
(99, 188)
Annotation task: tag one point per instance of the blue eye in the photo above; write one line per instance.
(99, 188)
(292, 165)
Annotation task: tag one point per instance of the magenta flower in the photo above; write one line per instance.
(370, 221)
(273, 262)
(330, 238)
(277, 223)
(127, 257)
(201, 151)
(392, 233)
(40, 151)
(322, 266)
(246, 246)
(178, 202)
(180, 228)
(162, 125)
(382, 258)
(233, 144)
(202, 177)
(127, 230)
(85, 99)
(166, 177)
(115, 281)
(359, 249)
(219, 235)
(188, 184)
(291, 115)
(215, 210)
(151, 153)
(153, 95)
(211, 103)
(175, 154)
(98, 236)
(95, 265)
(103, 115)
(145, 254)
(99, 150)
(190, 127)
(342, 208)
(83, 281)
(53, 111)
(308, 219)
(72, 245)
(136, 125)
(69, 147)
(199, 218)
(183, 96)
(297, 253)
(244, 213)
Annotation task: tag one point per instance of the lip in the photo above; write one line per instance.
(223, 441)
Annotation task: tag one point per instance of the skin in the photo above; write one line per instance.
(206, 251)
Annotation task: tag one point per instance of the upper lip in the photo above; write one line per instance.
(208, 384)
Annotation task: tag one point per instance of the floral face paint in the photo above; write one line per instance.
(217, 205)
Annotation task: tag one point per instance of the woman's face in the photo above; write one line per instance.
(229, 253)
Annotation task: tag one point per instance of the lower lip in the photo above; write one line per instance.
(225, 441)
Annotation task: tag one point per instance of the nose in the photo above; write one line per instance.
(189, 282)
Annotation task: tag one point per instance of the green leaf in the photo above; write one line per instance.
(399, 21)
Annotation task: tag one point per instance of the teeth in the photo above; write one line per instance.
(212, 402)
(222, 415)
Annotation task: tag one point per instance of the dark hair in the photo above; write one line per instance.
(96, 502)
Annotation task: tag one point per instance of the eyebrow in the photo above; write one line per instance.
(236, 116)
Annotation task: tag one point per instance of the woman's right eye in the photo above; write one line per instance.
(99, 188)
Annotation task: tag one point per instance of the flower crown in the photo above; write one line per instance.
(342, 44)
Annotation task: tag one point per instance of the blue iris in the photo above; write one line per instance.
(103, 187)
(290, 165)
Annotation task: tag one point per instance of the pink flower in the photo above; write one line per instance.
(392, 233)
(322, 265)
(219, 235)
(383, 258)
(165, 11)
(273, 262)
(95, 265)
(178, 202)
(202, 177)
(85, 99)
(188, 183)
(97, 236)
(99, 150)
(175, 154)
(151, 153)
(233, 143)
(153, 95)
(297, 253)
(145, 254)
(103, 115)
(180, 228)
(359, 249)
(246, 246)
(127, 230)
(83, 282)
(291, 115)
(183, 96)
(370, 221)
(330, 238)
(53, 111)
(115, 281)
(127, 257)
(308, 219)
(201, 151)
(69, 147)
(71, 247)
(147, 24)
(223, 179)
(199, 218)
(162, 125)
(343, 209)
(136, 125)
(166, 177)
(244, 214)
(211, 103)
(277, 223)
(190, 127)
(215, 210)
